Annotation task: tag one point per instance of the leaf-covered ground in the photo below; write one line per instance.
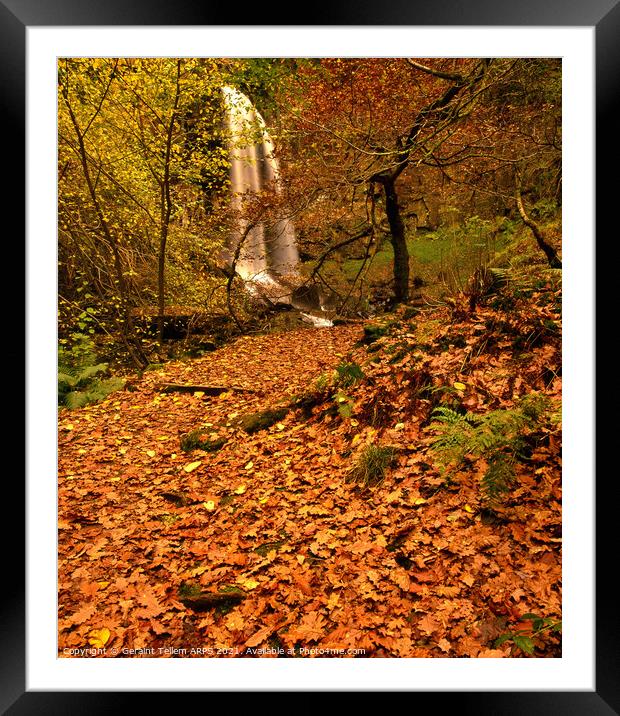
(266, 548)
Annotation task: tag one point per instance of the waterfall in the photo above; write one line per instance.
(269, 255)
(268, 258)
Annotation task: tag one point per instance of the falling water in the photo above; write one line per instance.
(269, 252)
(268, 258)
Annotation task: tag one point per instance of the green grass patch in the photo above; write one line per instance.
(372, 465)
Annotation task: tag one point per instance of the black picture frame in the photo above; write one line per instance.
(15, 17)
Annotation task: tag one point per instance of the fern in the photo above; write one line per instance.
(79, 381)
(498, 436)
(94, 392)
(347, 374)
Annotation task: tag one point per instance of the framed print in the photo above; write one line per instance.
(42, 671)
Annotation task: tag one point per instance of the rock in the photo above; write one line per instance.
(307, 298)
(193, 441)
(372, 333)
(253, 422)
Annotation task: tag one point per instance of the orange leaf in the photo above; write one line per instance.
(428, 624)
(259, 636)
(302, 583)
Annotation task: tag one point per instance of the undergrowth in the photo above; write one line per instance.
(80, 376)
(499, 437)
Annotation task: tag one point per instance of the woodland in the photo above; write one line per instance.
(309, 359)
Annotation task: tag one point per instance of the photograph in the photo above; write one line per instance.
(309, 357)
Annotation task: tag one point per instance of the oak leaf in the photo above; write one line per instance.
(428, 624)
(302, 583)
(311, 627)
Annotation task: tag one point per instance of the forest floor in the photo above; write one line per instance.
(266, 547)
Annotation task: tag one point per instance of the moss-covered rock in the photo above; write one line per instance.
(193, 441)
(374, 331)
(253, 422)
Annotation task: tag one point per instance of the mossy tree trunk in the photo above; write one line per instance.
(544, 245)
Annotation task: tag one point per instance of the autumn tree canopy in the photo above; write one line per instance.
(371, 150)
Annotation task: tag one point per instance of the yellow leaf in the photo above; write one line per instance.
(99, 637)
(333, 600)
(342, 399)
(240, 490)
(249, 466)
(248, 583)
(102, 585)
(210, 505)
(460, 386)
(400, 426)
(420, 501)
(197, 571)
(81, 451)
(394, 496)
(467, 508)
(151, 453)
(354, 423)
(191, 466)
(263, 500)
(280, 426)
(301, 558)
(225, 396)
(356, 438)
(198, 393)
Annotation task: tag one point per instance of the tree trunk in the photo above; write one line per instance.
(399, 242)
(549, 251)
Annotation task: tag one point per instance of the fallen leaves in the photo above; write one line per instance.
(409, 568)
